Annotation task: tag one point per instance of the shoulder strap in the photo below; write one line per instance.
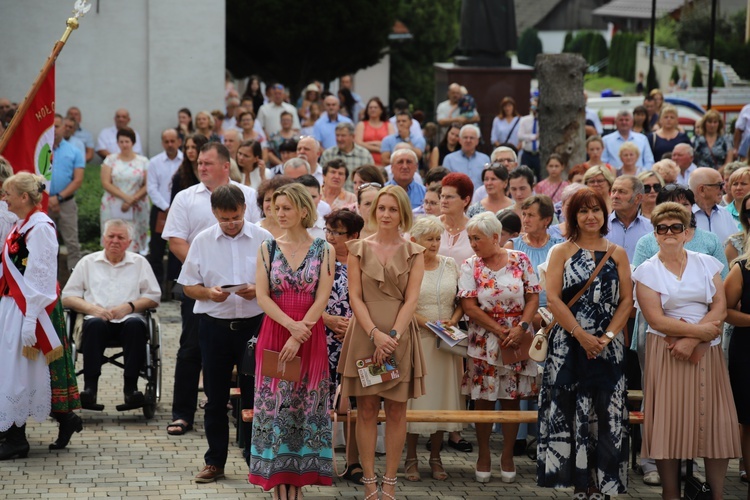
(515, 123)
(271, 245)
(610, 251)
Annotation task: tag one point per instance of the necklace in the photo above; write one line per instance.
(682, 267)
(294, 254)
(457, 229)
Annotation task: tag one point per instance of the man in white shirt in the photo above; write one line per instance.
(447, 111)
(624, 133)
(189, 214)
(112, 288)
(708, 188)
(161, 168)
(682, 155)
(228, 319)
(269, 115)
(742, 132)
(528, 134)
(107, 141)
(308, 148)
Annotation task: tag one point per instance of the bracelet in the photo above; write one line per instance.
(132, 307)
(574, 329)
(372, 335)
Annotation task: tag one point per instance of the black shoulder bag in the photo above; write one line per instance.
(248, 360)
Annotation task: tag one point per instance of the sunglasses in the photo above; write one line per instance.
(719, 185)
(369, 184)
(674, 187)
(647, 188)
(674, 228)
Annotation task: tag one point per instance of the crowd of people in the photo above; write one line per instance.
(346, 234)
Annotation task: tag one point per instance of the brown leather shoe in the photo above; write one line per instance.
(209, 474)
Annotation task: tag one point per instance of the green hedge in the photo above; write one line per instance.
(622, 54)
(89, 200)
(590, 44)
(529, 46)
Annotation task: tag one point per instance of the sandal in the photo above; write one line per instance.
(182, 428)
(461, 445)
(371, 480)
(389, 481)
(412, 464)
(438, 472)
(354, 473)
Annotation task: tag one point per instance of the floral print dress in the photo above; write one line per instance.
(129, 177)
(338, 305)
(291, 439)
(500, 294)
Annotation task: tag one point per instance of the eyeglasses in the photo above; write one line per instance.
(596, 181)
(231, 223)
(431, 203)
(647, 188)
(335, 233)
(719, 185)
(369, 184)
(674, 228)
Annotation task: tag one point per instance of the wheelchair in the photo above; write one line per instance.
(151, 371)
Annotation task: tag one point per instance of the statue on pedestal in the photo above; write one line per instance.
(488, 32)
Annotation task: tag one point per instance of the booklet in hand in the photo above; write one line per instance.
(371, 373)
(233, 288)
(450, 335)
(272, 367)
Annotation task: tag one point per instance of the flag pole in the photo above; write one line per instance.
(79, 10)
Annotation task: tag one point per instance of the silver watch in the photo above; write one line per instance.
(610, 335)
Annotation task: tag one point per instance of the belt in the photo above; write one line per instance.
(232, 324)
(497, 315)
(67, 198)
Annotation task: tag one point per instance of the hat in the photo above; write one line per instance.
(312, 88)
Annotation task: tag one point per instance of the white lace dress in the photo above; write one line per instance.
(437, 300)
(25, 383)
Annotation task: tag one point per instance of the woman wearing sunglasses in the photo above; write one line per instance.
(652, 184)
(689, 411)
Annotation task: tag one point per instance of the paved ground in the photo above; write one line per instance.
(124, 455)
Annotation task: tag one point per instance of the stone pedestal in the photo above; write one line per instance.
(488, 86)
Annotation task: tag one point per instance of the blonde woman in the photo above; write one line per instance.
(437, 302)
(669, 135)
(629, 154)
(652, 185)
(385, 275)
(204, 125)
(600, 179)
(713, 147)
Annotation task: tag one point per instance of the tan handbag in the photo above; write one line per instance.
(540, 344)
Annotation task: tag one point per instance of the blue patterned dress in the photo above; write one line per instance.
(338, 305)
(583, 433)
(291, 440)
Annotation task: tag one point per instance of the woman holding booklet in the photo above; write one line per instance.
(291, 440)
(437, 303)
(500, 293)
(382, 356)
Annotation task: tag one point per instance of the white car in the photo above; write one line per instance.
(607, 107)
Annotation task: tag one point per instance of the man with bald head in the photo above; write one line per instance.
(308, 148)
(447, 112)
(708, 188)
(324, 129)
(107, 141)
(161, 169)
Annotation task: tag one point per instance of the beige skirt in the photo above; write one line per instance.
(689, 409)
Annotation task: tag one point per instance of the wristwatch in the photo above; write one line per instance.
(59, 197)
(610, 335)
(524, 325)
(393, 334)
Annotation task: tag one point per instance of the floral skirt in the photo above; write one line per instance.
(490, 382)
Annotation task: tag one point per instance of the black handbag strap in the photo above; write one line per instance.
(610, 251)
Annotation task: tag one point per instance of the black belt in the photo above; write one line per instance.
(67, 198)
(232, 324)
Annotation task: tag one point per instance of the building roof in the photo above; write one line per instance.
(637, 9)
(529, 14)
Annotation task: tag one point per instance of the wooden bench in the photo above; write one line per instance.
(461, 416)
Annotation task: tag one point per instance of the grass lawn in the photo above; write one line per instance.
(596, 83)
(89, 199)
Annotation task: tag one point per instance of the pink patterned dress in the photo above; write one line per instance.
(129, 177)
(291, 439)
(501, 295)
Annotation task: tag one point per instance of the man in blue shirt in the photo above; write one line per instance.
(67, 177)
(324, 129)
(708, 188)
(404, 164)
(81, 133)
(613, 142)
(403, 134)
(468, 160)
(625, 225)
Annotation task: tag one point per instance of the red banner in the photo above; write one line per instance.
(30, 147)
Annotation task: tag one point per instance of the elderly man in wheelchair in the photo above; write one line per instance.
(112, 288)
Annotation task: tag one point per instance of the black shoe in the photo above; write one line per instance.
(461, 445)
(15, 444)
(519, 448)
(134, 398)
(69, 423)
(88, 399)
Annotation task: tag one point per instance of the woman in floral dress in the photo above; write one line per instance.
(500, 293)
(291, 439)
(123, 178)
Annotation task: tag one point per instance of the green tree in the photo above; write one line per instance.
(529, 46)
(434, 27)
(718, 79)
(568, 41)
(665, 34)
(675, 76)
(697, 77)
(597, 49)
(307, 40)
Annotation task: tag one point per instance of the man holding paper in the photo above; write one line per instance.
(229, 315)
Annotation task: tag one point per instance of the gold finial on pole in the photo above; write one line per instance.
(80, 8)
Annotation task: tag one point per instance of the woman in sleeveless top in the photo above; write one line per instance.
(291, 438)
(373, 128)
(385, 274)
(583, 418)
